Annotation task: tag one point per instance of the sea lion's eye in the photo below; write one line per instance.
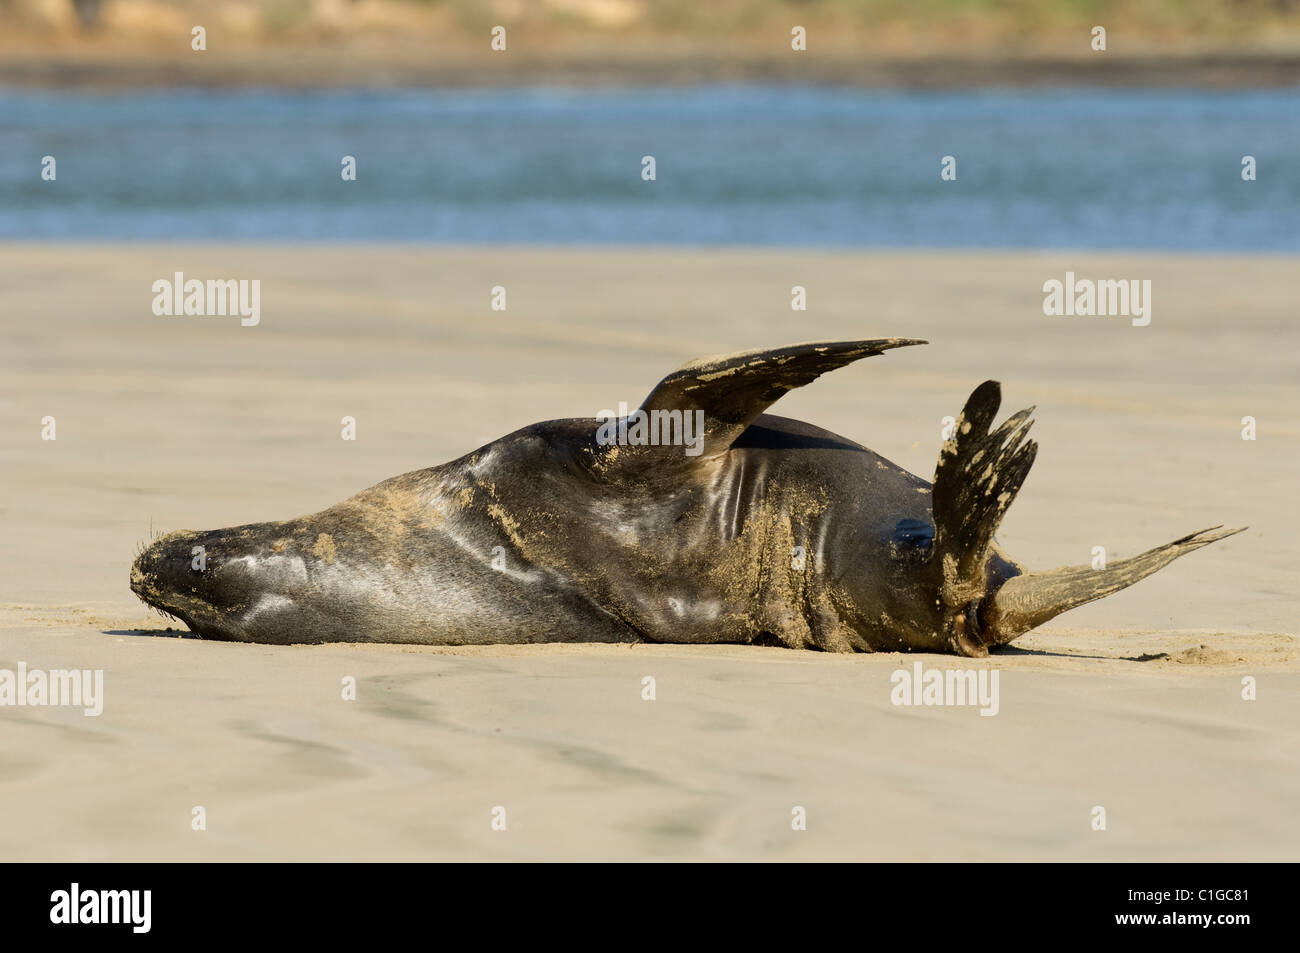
(912, 537)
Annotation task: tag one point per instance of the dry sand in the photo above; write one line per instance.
(1133, 703)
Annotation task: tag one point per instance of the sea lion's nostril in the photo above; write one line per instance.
(141, 570)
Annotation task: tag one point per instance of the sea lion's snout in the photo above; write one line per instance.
(159, 571)
(186, 575)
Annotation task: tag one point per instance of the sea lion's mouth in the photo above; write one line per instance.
(148, 591)
(967, 637)
(145, 588)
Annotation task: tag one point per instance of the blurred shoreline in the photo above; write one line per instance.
(631, 66)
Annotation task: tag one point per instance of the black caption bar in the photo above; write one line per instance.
(142, 902)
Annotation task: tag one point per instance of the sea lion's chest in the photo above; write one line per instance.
(732, 556)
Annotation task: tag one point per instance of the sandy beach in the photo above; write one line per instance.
(1133, 703)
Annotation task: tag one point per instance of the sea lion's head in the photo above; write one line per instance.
(247, 583)
(203, 579)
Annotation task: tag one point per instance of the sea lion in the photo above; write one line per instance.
(769, 531)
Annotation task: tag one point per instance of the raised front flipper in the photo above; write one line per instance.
(728, 393)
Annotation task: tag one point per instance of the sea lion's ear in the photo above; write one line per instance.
(732, 390)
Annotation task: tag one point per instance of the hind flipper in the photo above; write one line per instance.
(1026, 601)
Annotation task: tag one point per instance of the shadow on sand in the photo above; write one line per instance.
(1011, 651)
(167, 633)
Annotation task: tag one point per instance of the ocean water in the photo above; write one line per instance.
(746, 164)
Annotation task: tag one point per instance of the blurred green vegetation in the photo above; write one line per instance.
(884, 23)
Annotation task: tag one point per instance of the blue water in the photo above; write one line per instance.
(1152, 170)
